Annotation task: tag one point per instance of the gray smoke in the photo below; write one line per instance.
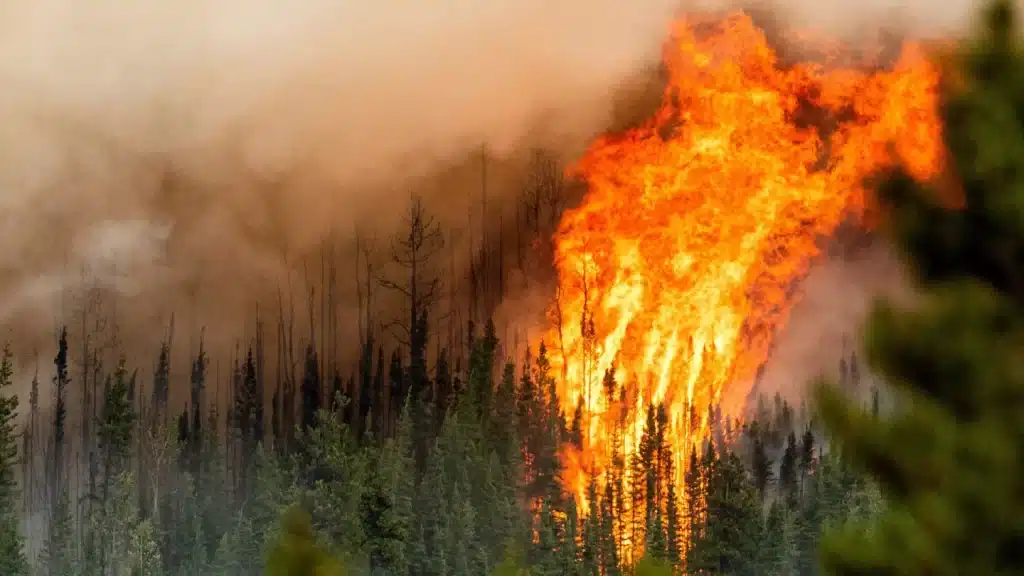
(191, 151)
(187, 154)
(826, 323)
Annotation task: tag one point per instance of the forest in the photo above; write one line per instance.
(428, 458)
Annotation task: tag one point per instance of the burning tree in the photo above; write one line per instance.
(677, 270)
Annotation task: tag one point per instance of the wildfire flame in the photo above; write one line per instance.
(677, 270)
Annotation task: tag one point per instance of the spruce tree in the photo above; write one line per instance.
(213, 487)
(591, 552)
(12, 553)
(462, 519)
(693, 504)
(59, 552)
(502, 432)
(115, 426)
(338, 493)
(673, 521)
(481, 368)
(733, 523)
(569, 551)
(161, 382)
(545, 559)
(387, 501)
(807, 460)
(788, 472)
(949, 459)
(57, 474)
(761, 464)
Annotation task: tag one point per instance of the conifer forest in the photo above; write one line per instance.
(424, 432)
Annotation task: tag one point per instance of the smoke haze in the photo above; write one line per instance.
(825, 324)
(916, 18)
(159, 144)
(185, 152)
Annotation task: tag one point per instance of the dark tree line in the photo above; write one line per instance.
(444, 473)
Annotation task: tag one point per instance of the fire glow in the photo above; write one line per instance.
(675, 273)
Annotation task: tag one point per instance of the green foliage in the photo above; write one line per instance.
(117, 420)
(12, 555)
(58, 555)
(127, 542)
(513, 563)
(297, 552)
(458, 473)
(386, 505)
(239, 550)
(648, 566)
(337, 493)
(948, 461)
(486, 499)
(732, 525)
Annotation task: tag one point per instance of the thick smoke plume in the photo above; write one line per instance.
(188, 154)
(188, 149)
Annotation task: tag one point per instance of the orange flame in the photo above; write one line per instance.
(677, 269)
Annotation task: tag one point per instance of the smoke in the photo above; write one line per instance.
(826, 323)
(865, 19)
(188, 155)
(187, 150)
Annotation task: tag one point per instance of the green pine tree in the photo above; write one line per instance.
(12, 549)
(128, 543)
(949, 458)
(733, 523)
(789, 472)
(342, 481)
(761, 463)
(387, 502)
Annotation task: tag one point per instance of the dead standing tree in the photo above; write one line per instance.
(414, 252)
(543, 201)
(362, 399)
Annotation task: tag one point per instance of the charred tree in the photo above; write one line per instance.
(414, 253)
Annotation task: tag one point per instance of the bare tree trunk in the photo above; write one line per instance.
(484, 261)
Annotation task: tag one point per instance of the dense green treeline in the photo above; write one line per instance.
(451, 485)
